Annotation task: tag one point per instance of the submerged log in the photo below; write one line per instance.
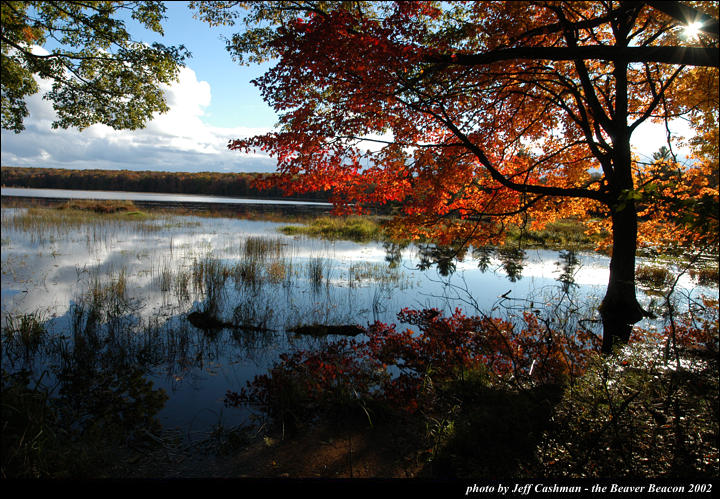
(208, 322)
(326, 330)
(205, 320)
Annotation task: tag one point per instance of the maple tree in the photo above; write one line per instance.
(475, 115)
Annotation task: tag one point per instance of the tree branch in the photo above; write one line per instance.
(688, 56)
(519, 187)
(686, 15)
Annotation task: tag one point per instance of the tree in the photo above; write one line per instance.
(518, 112)
(99, 73)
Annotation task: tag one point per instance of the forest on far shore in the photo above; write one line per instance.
(207, 183)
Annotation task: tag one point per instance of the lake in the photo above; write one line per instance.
(147, 196)
(202, 305)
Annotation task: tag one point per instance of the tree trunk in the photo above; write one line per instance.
(620, 309)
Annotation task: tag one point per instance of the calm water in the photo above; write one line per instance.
(144, 196)
(241, 273)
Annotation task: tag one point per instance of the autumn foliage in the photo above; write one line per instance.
(472, 116)
(607, 422)
(406, 370)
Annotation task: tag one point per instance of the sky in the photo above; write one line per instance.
(212, 102)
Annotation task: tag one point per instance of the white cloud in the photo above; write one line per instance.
(181, 140)
(178, 140)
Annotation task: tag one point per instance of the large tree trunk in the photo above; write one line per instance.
(620, 309)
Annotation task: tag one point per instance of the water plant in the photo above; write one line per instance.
(181, 284)
(279, 272)
(263, 248)
(653, 278)
(165, 278)
(98, 220)
(22, 335)
(316, 270)
(247, 272)
(705, 276)
(100, 206)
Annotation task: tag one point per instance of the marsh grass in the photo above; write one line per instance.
(705, 276)
(98, 219)
(110, 293)
(262, 259)
(165, 278)
(252, 315)
(279, 272)
(181, 284)
(23, 335)
(100, 206)
(367, 272)
(654, 279)
(316, 271)
(353, 228)
(561, 234)
(261, 248)
(214, 274)
(248, 272)
(96, 224)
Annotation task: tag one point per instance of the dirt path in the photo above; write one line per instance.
(316, 453)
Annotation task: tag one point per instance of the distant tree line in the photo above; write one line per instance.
(208, 183)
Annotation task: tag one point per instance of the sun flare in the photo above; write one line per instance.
(692, 30)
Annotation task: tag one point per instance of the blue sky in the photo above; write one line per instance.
(212, 103)
(235, 101)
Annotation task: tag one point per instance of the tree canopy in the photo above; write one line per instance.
(99, 73)
(472, 115)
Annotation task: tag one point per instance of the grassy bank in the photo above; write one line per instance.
(563, 234)
(560, 235)
(353, 228)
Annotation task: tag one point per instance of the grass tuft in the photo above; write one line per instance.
(353, 228)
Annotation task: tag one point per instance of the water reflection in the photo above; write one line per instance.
(444, 257)
(483, 254)
(568, 264)
(512, 261)
(200, 306)
(393, 253)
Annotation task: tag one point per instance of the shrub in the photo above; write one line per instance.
(643, 412)
(406, 371)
